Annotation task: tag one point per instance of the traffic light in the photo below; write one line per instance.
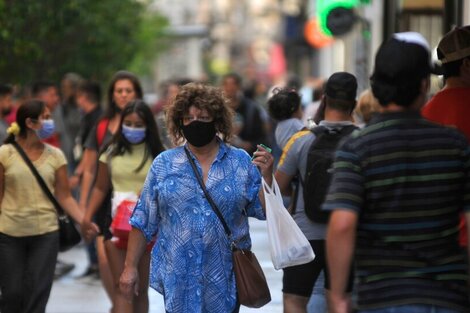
(337, 17)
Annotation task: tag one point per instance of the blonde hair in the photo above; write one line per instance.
(367, 105)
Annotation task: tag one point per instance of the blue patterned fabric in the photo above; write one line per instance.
(191, 262)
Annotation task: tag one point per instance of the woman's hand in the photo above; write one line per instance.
(89, 230)
(264, 160)
(74, 181)
(129, 282)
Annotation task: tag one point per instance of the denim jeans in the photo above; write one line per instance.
(412, 308)
(317, 302)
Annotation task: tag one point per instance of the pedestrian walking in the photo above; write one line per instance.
(284, 107)
(249, 119)
(367, 107)
(29, 237)
(88, 98)
(295, 164)
(123, 88)
(123, 169)
(191, 263)
(398, 187)
(169, 89)
(6, 106)
(47, 92)
(450, 106)
(70, 116)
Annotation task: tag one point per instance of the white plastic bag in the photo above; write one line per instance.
(287, 243)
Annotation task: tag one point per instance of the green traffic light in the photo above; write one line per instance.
(336, 17)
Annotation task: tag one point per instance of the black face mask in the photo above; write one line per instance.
(199, 133)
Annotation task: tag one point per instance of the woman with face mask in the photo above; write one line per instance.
(123, 167)
(29, 237)
(123, 88)
(192, 258)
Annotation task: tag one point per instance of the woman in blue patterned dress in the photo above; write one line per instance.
(191, 263)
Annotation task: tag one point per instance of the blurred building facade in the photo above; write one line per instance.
(213, 37)
(187, 38)
(266, 39)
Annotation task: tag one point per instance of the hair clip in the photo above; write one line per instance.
(14, 129)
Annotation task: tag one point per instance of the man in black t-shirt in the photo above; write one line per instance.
(88, 101)
(248, 124)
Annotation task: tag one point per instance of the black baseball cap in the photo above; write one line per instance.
(404, 57)
(341, 86)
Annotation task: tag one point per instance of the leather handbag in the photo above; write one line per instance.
(252, 288)
(68, 233)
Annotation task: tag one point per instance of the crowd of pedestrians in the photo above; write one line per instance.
(379, 185)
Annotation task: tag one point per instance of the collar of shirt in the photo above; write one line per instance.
(338, 124)
(386, 116)
(223, 150)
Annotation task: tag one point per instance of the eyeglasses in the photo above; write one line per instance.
(188, 119)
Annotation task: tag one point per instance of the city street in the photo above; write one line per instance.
(72, 295)
(365, 105)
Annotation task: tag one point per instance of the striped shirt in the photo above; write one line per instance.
(408, 179)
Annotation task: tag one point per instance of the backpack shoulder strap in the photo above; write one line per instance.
(101, 130)
(318, 130)
(348, 129)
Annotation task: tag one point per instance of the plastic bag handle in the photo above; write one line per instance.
(272, 190)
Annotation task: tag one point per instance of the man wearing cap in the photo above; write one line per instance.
(398, 187)
(451, 105)
(298, 281)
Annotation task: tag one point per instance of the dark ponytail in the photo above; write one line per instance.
(30, 109)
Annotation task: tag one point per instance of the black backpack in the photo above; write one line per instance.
(317, 177)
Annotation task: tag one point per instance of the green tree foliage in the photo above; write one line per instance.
(44, 39)
(152, 26)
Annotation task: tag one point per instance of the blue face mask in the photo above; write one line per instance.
(47, 129)
(133, 135)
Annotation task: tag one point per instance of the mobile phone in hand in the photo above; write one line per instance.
(265, 147)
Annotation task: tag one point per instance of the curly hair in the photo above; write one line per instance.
(202, 97)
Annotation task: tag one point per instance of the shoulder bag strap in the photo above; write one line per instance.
(41, 182)
(294, 196)
(208, 197)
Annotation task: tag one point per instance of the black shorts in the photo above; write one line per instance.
(299, 280)
(103, 217)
